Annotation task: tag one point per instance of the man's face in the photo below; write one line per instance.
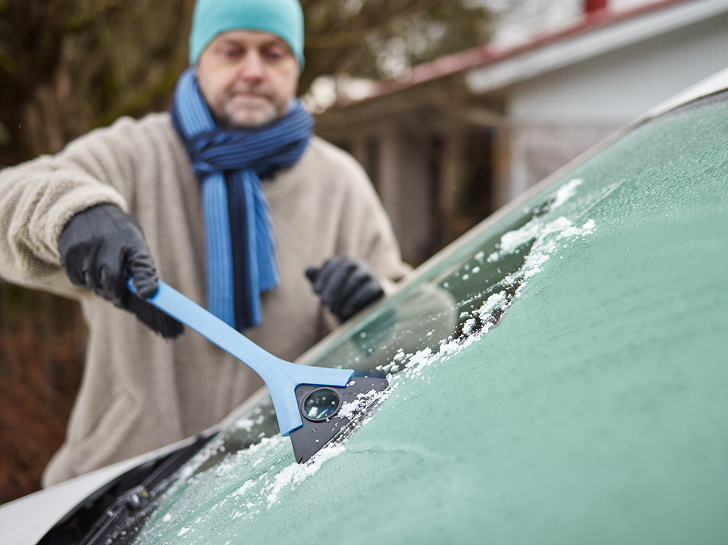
(248, 78)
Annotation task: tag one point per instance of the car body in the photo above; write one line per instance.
(557, 375)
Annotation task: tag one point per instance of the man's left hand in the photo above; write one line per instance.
(345, 285)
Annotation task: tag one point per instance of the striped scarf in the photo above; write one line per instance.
(239, 242)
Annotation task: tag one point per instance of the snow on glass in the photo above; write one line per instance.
(271, 472)
(546, 233)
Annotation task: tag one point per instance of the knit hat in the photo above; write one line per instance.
(284, 18)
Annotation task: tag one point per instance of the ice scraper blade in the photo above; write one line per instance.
(329, 413)
(320, 401)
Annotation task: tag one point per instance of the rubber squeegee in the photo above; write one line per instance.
(307, 400)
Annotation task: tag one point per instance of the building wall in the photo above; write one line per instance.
(556, 116)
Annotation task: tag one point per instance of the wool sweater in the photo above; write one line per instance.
(139, 391)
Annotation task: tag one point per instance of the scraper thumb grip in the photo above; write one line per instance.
(280, 376)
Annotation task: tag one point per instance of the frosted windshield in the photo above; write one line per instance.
(524, 280)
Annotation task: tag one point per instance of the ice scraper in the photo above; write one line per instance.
(313, 404)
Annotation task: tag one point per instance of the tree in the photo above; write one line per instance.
(71, 65)
(363, 37)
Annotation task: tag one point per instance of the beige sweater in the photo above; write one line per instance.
(140, 392)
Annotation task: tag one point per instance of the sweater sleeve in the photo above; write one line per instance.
(39, 197)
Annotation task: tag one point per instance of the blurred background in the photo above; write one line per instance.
(453, 107)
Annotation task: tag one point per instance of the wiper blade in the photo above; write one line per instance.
(115, 512)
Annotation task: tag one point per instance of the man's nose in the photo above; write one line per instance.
(251, 68)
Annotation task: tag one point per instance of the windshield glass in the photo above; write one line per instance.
(449, 307)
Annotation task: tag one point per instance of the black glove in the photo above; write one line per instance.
(96, 247)
(345, 285)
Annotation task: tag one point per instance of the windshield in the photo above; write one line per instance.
(442, 320)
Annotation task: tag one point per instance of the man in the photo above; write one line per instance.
(228, 198)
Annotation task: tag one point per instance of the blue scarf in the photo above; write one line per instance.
(239, 241)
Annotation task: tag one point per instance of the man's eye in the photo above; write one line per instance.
(231, 53)
(274, 54)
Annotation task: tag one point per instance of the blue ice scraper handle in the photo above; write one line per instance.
(280, 376)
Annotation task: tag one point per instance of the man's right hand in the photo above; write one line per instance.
(96, 247)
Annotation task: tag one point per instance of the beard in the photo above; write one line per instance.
(247, 106)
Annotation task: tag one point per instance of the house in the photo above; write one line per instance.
(453, 140)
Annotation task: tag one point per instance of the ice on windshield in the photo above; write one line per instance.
(294, 474)
(271, 470)
(544, 236)
(273, 473)
(454, 367)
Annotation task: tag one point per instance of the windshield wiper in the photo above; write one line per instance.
(115, 512)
